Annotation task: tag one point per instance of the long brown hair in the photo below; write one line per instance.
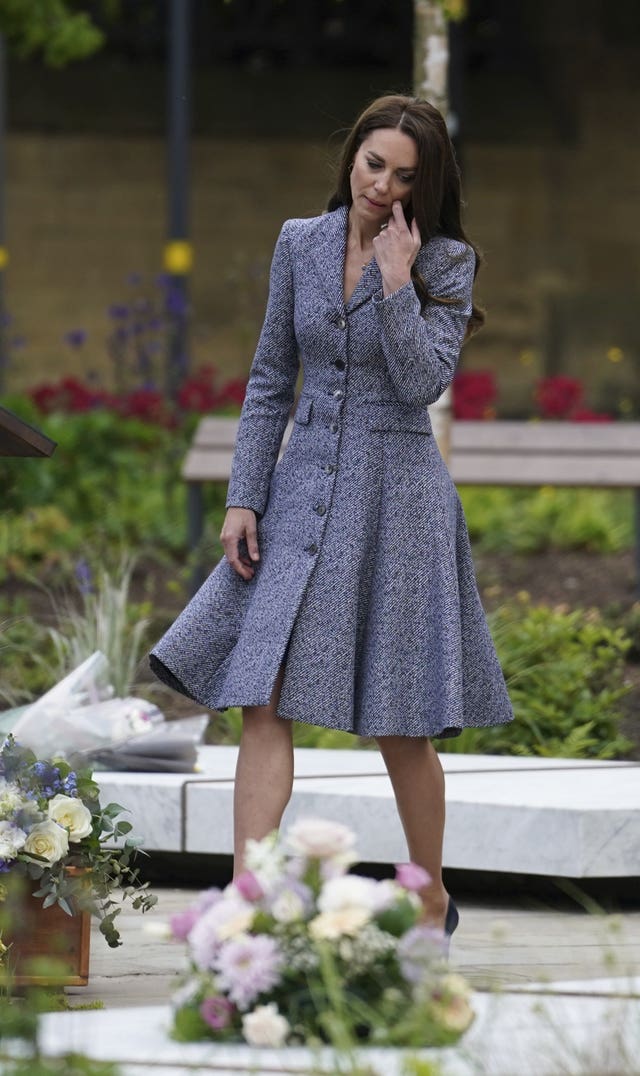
(435, 194)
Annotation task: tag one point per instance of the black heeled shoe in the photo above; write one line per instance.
(451, 920)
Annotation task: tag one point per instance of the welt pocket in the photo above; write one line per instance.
(303, 410)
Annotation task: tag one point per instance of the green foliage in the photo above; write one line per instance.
(107, 621)
(565, 673)
(532, 520)
(51, 28)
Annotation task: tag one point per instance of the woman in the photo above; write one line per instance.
(346, 597)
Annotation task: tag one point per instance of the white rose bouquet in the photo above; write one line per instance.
(298, 951)
(51, 820)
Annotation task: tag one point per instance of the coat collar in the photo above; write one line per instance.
(328, 252)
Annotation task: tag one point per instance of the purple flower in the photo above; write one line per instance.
(75, 338)
(248, 886)
(118, 311)
(83, 576)
(411, 876)
(216, 1012)
(417, 949)
(248, 966)
(182, 923)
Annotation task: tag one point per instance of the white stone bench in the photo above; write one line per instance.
(481, 453)
(548, 817)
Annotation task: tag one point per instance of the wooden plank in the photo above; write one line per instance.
(207, 465)
(579, 437)
(514, 469)
(217, 432)
(18, 438)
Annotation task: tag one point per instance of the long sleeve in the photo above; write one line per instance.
(422, 349)
(270, 390)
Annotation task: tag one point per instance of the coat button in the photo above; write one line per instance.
(328, 468)
(312, 548)
(342, 324)
(339, 364)
(333, 428)
(338, 394)
(320, 509)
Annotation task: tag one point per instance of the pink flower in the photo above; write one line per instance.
(216, 1012)
(182, 923)
(411, 876)
(248, 886)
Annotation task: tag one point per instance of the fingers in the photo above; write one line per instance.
(415, 234)
(398, 215)
(239, 537)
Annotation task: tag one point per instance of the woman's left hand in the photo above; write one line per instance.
(395, 248)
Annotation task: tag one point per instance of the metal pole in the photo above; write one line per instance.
(178, 253)
(4, 256)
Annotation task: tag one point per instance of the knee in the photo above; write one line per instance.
(261, 723)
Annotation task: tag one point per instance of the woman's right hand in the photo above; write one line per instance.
(239, 524)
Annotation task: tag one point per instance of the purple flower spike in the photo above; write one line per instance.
(75, 338)
(83, 575)
(216, 1012)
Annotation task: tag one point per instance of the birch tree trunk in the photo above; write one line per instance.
(430, 70)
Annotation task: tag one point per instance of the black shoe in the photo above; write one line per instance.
(452, 919)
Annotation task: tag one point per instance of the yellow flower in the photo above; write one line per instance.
(615, 354)
(527, 356)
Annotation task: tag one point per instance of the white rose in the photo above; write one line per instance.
(49, 840)
(71, 813)
(11, 840)
(349, 891)
(318, 838)
(265, 1026)
(288, 907)
(328, 926)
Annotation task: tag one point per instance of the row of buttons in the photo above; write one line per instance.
(334, 427)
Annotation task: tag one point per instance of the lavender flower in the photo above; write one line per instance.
(248, 966)
(75, 338)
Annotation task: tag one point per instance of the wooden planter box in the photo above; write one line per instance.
(48, 947)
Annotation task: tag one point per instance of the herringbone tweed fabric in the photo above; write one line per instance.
(365, 586)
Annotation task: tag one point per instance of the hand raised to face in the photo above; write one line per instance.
(395, 248)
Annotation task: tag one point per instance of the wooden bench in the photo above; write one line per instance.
(481, 454)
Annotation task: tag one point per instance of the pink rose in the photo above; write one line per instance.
(411, 876)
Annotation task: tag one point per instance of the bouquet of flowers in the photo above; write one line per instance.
(50, 821)
(298, 951)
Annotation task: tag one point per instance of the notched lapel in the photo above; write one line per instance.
(328, 254)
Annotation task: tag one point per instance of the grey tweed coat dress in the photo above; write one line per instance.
(365, 588)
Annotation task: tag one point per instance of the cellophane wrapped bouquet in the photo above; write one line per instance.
(298, 951)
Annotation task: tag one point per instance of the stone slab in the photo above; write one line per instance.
(513, 1033)
(574, 818)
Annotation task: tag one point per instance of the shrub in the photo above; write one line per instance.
(565, 674)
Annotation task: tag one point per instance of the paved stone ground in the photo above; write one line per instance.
(493, 947)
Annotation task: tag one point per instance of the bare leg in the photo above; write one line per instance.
(418, 784)
(264, 774)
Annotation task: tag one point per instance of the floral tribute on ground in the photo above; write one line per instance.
(298, 951)
(50, 821)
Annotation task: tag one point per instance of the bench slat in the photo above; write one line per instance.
(487, 469)
(576, 437)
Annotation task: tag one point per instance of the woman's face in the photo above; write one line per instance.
(383, 172)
